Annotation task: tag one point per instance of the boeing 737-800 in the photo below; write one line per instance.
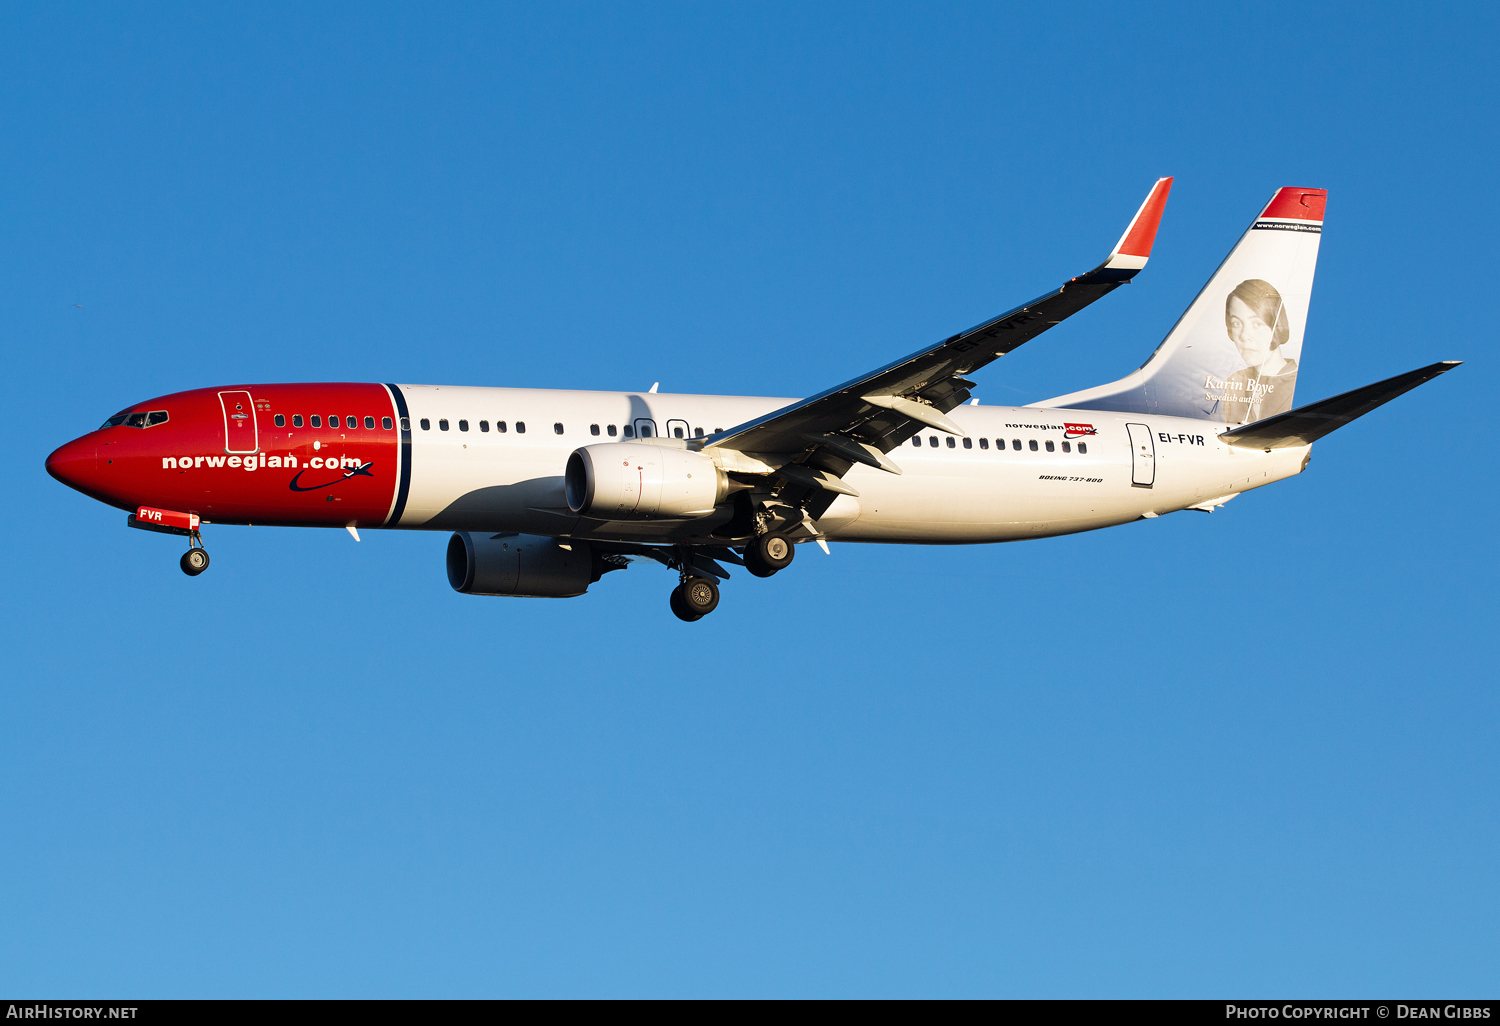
(546, 491)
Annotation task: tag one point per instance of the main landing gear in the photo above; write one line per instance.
(195, 560)
(697, 594)
(694, 598)
(769, 553)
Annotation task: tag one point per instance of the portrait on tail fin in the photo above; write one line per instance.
(1233, 356)
(1255, 318)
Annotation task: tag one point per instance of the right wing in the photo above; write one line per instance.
(860, 420)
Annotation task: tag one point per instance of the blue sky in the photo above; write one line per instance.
(1088, 766)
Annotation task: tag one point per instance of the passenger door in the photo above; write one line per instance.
(1142, 456)
(645, 427)
(241, 435)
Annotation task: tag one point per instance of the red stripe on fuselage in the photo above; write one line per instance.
(184, 464)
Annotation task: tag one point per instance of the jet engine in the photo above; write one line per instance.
(631, 481)
(523, 565)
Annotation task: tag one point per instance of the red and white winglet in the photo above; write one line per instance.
(1134, 247)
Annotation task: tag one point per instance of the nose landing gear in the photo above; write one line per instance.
(195, 560)
(165, 521)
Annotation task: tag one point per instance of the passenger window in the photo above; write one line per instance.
(645, 430)
(557, 429)
(593, 429)
(369, 423)
(697, 432)
(426, 424)
(352, 422)
(463, 425)
(984, 443)
(951, 443)
(333, 422)
(611, 430)
(484, 426)
(279, 420)
(1083, 447)
(1015, 443)
(718, 430)
(932, 441)
(316, 420)
(1033, 445)
(1067, 447)
(405, 423)
(500, 426)
(296, 420)
(916, 440)
(443, 426)
(385, 423)
(629, 431)
(520, 427)
(968, 443)
(1051, 447)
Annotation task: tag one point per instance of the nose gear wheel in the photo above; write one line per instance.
(195, 560)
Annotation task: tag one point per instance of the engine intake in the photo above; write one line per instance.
(631, 481)
(522, 565)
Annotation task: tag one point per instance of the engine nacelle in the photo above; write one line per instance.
(523, 565)
(631, 481)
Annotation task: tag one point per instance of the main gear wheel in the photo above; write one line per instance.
(768, 554)
(695, 598)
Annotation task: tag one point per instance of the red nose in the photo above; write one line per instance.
(75, 465)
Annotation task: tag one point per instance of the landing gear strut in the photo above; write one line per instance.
(768, 553)
(195, 560)
(694, 598)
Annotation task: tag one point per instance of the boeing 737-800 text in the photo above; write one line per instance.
(546, 491)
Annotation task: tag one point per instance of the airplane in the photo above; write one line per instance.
(546, 491)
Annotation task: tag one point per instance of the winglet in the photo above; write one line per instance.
(1134, 247)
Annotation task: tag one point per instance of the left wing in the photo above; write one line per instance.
(861, 420)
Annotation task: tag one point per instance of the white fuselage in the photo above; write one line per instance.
(978, 488)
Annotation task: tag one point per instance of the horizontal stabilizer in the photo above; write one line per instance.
(1307, 424)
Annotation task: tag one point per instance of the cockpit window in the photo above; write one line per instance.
(136, 420)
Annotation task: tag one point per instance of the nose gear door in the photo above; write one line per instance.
(1142, 455)
(241, 435)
